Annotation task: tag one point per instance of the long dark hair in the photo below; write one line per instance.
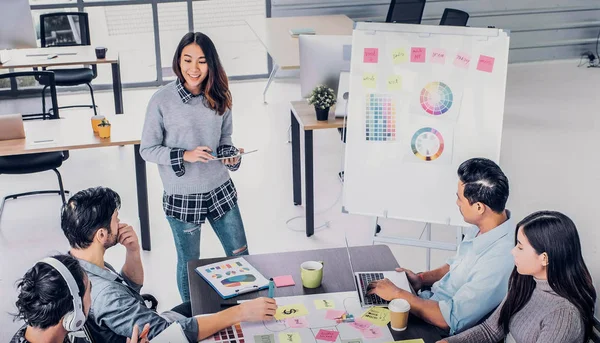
(216, 84)
(556, 235)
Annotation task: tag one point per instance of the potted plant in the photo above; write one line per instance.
(104, 129)
(322, 97)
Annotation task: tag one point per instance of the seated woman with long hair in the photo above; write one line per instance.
(550, 294)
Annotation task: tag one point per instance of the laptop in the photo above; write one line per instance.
(362, 280)
(11, 127)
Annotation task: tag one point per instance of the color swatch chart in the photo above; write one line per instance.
(227, 269)
(232, 334)
(427, 144)
(380, 117)
(436, 98)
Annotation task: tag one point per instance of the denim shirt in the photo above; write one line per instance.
(478, 277)
(117, 306)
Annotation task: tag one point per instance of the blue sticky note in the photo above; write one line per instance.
(347, 52)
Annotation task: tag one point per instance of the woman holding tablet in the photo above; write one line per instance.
(188, 123)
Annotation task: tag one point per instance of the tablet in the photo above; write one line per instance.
(234, 156)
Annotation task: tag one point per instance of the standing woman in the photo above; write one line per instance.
(188, 122)
(550, 293)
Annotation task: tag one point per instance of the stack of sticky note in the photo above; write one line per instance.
(284, 281)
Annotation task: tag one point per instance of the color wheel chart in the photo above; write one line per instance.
(380, 118)
(427, 144)
(232, 334)
(436, 98)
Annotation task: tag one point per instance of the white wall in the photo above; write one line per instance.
(549, 146)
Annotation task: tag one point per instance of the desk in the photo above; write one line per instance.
(75, 132)
(304, 117)
(68, 56)
(337, 277)
(283, 48)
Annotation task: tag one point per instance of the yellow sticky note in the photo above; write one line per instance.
(370, 80)
(411, 341)
(399, 56)
(290, 311)
(394, 83)
(289, 337)
(377, 315)
(324, 303)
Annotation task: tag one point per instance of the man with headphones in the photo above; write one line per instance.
(50, 310)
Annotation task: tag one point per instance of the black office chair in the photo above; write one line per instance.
(35, 163)
(68, 29)
(405, 11)
(454, 17)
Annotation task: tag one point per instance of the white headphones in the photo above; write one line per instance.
(73, 320)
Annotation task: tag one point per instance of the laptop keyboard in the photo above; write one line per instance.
(365, 280)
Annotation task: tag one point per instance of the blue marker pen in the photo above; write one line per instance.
(271, 288)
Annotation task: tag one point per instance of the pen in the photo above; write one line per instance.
(271, 288)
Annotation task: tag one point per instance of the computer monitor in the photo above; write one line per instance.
(322, 58)
(16, 25)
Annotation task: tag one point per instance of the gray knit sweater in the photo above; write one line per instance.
(172, 124)
(546, 318)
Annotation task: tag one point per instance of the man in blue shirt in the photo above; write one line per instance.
(473, 282)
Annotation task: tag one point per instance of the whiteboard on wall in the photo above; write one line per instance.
(422, 100)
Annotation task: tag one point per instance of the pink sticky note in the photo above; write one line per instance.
(438, 56)
(417, 55)
(372, 332)
(297, 323)
(327, 335)
(486, 63)
(360, 324)
(371, 55)
(334, 314)
(462, 60)
(284, 281)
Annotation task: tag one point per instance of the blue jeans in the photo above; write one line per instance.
(229, 230)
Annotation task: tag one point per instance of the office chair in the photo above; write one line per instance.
(454, 17)
(39, 162)
(68, 29)
(405, 11)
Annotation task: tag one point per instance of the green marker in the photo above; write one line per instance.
(271, 288)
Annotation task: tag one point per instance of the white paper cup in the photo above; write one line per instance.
(399, 310)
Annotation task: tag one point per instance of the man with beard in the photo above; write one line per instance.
(90, 221)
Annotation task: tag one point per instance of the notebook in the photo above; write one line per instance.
(233, 277)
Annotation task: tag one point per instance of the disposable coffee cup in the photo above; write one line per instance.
(97, 119)
(399, 309)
